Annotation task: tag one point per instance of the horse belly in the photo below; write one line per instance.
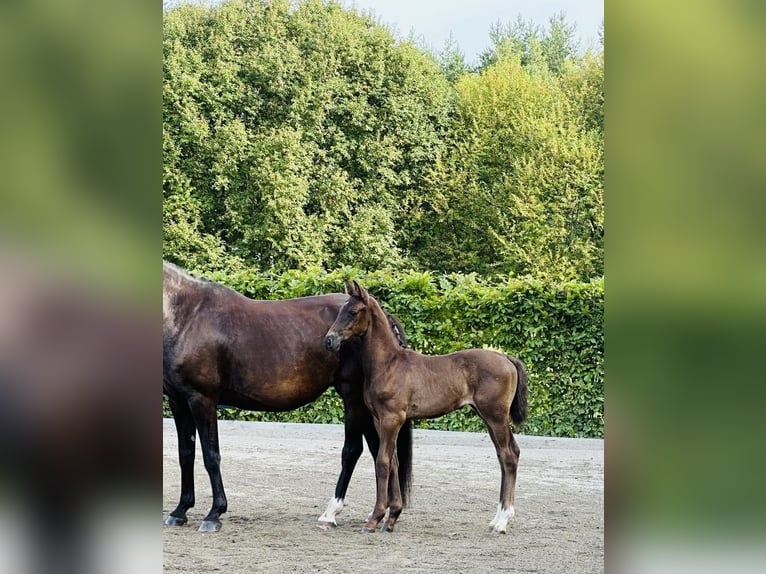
(276, 393)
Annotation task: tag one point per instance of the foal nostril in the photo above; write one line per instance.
(328, 343)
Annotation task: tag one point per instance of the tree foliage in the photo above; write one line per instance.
(305, 134)
(298, 133)
(537, 48)
(518, 188)
(452, 60)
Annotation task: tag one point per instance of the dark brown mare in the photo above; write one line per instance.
(219, 347)
(401, 384)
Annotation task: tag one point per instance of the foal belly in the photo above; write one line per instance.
(422, 410)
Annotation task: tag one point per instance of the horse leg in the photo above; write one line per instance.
(352, 449)
(508, 456)
(395, 503)
(371, 434)
(186, 431)
(204, 413)
(372, 438)
(387, 429)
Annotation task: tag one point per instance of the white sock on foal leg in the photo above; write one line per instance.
(500, 521)
(334, 508)
(497, 514)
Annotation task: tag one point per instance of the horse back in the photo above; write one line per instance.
(264, 355)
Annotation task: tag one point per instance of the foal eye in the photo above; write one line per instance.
(352, 312)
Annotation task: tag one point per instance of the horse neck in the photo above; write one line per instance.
(380, 343)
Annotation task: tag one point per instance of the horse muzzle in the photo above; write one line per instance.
(332, 342)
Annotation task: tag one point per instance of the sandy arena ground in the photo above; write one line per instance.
(279, 478)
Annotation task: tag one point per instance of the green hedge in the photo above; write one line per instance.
(555, 328)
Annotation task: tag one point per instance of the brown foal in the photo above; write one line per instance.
(401, 384)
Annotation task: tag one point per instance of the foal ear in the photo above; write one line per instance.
(348, 287)
(362, 294)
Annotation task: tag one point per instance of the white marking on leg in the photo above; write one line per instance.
(334, 507)
(502, 518)
(497, 515)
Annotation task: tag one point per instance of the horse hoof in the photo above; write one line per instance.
(496, 531)
(367, 530)
(386, 528)
(175, 521)
(327, 525)
(210, 526)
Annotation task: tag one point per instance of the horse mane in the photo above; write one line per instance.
(398, 329)
(184, 274)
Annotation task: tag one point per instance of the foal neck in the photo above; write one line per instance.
(380, 342)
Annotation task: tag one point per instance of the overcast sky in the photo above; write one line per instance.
(470, 20)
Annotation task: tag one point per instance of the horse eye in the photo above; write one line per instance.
(352, 312)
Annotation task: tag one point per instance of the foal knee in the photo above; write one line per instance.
(510, 459)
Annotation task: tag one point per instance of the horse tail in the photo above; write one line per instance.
(404, 455)
(519, 405)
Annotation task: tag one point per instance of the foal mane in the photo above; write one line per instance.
(396, 327)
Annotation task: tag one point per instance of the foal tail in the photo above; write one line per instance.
(404, 455)
(519, 404)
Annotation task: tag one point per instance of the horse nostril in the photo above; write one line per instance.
(328, 344)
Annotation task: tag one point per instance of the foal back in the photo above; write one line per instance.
(431, 386)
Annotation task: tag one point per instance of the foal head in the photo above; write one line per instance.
(353, 319)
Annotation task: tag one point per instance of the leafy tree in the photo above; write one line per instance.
(536, 47)
(519, 189)
(452, 60)
(306, 135)
(300, 134)
(583, 83)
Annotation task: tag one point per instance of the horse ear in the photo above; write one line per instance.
(363, 295)
(348, 287)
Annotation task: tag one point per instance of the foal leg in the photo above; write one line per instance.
(203, 409)
(186, 431)
(387, 428)
(356, 416)
(508, 456)
(395, 503)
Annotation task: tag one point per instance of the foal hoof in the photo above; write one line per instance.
(175, 521)
(326, 525)
(386, 528)
(210, 526)
(367, 530)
